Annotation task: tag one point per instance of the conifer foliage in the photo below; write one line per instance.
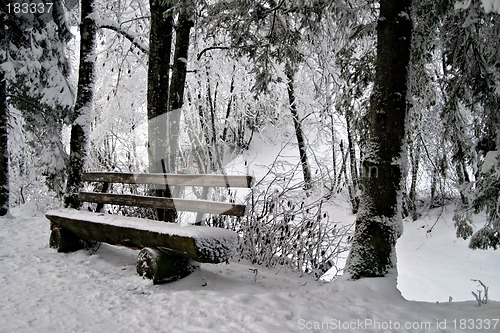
(33, 75)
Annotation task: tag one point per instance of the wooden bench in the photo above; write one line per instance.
(169, 251)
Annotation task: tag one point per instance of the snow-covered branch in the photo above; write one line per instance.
(115, 26)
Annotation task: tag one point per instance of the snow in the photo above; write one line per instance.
(435, 265)
(491, 160)
(462, 4)
(46, 291)
(489, 6)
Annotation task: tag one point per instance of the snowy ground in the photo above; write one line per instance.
(435, 265)
(46, 291)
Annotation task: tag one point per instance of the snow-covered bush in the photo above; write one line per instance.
(286, 227)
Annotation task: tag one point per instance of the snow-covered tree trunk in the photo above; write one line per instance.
(379, 224)
(4, 153)
(4, 119)
(84, 103)
(160, 46)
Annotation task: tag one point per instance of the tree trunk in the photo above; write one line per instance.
(82, 116)
(4, 153)
(415, 163)
(4, 119)
(228, 112)
(306, 171)
(160, 46)
(463, 177)
(379, 224)
(176, 95)
(353, 188)
(4, 123)
(184, 25)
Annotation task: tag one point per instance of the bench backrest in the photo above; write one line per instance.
(201, 206)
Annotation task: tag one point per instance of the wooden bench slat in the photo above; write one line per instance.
(170, 179)
(202, 206)
(203, 244)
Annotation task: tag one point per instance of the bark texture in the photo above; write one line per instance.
(4, 119)
(179, 68)
(160, 41)
(378, 224)
(84, 105)
(4, 153)
(306, 171)
(158, 83)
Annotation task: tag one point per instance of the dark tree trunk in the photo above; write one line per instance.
(463, 176)
(379, 224)
(415, 163)
(4, 120)
(177, 83)
(184, 25)
(228, 113)
(160, 41)
(4, 153)
(353, 188)
(306, 171)
(160, 46)
(82, 115)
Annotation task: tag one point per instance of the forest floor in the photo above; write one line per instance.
(46, 291)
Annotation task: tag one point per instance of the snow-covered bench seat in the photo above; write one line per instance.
(169, 251)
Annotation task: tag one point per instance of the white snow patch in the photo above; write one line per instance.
(462, 4)
(491, 6)
(491, 161)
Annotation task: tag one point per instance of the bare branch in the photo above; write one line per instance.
(205, 50)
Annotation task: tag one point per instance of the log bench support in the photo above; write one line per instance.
(163, 265)
(64, 240)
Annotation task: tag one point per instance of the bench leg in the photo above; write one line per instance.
(162, 266)
(64, 240)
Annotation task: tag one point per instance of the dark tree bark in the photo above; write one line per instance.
(165, 98)
(160, 46)
(379, 224)
(4, 120)
(353, 188)
(160, 41)
(415, 163)
(306, 171)
(176, 95)
(4, 153)
(84, 104)
(177, 83)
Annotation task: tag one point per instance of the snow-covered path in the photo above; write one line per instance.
(46, 291)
